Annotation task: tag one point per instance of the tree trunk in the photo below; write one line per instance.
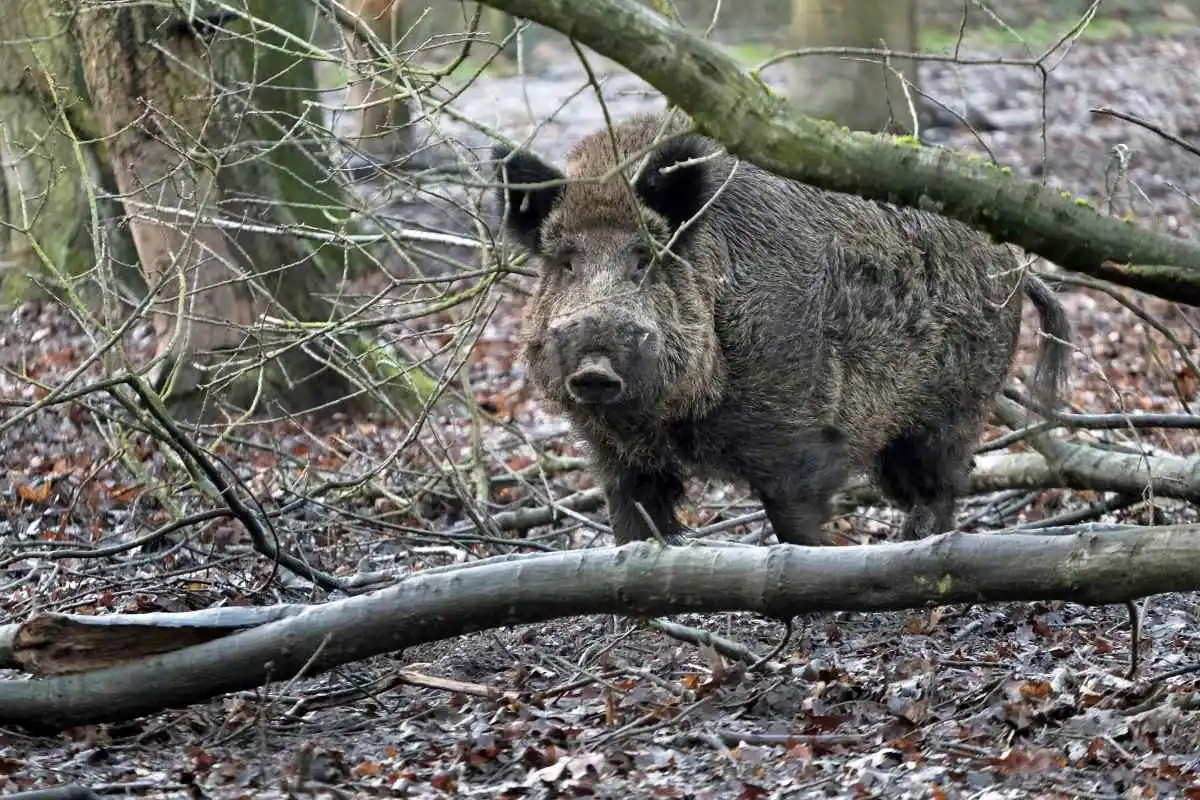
(178, 140)
(861, 92)
(45, 227)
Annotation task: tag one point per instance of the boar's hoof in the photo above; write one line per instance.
(595, 382)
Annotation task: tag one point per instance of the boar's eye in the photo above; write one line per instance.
(563, 259)
(640, 259)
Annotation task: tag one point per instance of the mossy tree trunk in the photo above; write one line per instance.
(184, 144)
(277, 77)
(859, 92)
(47, 228)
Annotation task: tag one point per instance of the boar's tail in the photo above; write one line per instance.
(1050, 377)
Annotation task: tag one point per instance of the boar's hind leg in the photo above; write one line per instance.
(657, 492)
(795, 475)
(923, 471)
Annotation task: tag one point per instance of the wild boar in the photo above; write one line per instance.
(790, 337)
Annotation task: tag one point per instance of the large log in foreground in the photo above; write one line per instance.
(640, 579)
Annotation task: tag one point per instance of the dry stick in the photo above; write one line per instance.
(264, 541)
(340, 697)
(768, 660)
(1079, 466)
(1178, 672)
(1150, 126)
(400, 677)
(1091, 511)
(1002, 508)
(526, 518)
(1094, 422)
(1135, 638)
(724, 646)
(414, 678)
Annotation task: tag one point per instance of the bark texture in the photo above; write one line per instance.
(174, 133)
(47, 228)
(641, 579)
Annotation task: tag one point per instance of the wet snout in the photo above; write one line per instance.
(604, 357)
(595, 381)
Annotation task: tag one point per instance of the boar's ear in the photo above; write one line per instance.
(527, 208)
(680, 193)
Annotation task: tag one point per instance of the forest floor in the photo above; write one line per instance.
(985, 701)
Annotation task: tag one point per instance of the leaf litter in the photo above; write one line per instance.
(1008, 700)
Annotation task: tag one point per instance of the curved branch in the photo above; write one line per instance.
(1083, 466)
(753, 123)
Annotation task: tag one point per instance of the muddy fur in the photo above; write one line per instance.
(792, 337)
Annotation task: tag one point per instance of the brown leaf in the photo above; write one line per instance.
(444, 781)
(34, 494)
(1035, 689)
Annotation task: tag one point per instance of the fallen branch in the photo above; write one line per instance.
(1083, 466)
(61, 644)
(724, 646)
(71, 791)
(754, 123)
(401, 677)
(640, 579)
(1087, 467)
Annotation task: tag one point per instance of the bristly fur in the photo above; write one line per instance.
(677, 194)
(803, 334)
(526, 207)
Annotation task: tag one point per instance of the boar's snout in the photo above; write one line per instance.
(595, 381)
(605, 358)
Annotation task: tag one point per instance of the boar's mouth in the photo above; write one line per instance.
(595, 382)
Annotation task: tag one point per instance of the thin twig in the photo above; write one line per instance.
(1148, 125)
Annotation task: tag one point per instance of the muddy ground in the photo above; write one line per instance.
(1009, 700)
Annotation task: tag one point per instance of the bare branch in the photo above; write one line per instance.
(753, 123)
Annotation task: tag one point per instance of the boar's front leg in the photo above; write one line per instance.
(795, 474)
(657, 492)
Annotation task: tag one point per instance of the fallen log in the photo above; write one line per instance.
(640, 579)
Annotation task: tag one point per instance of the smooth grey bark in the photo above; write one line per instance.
(640, 579)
